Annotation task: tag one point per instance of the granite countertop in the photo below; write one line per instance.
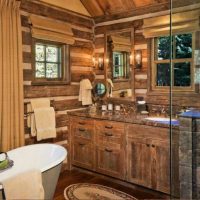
(126, 118)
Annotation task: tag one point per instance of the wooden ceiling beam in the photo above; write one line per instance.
(145, 10)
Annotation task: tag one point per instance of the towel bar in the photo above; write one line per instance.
(29, 113)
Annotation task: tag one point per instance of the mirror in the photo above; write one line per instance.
(118, 70)
(99, 90)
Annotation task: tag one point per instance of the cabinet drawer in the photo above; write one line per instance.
(82, 121)
(110, 138)
(142, 131)
(110, 127)
(86, 132)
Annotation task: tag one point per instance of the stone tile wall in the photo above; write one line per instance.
(189, 158)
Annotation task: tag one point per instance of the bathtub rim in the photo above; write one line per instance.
(52, 164)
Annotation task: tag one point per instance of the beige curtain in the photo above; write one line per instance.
(11, 76)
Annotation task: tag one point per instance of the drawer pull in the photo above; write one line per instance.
(108, 134)
(108, 150)
(153, 145)
(81, 129)
(82, 123)
(81, 144)
(109, 127)
(148, 145)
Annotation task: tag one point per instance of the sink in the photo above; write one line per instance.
(163, 120)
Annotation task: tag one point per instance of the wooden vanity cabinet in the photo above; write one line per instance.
(82, 142)
(110, 148)
(148, 161)
(136, 153)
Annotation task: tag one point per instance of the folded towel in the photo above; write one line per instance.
(141, 102)
(35, 103)
(85, 93)
(110, 93)
(27, 185)
(45, 123)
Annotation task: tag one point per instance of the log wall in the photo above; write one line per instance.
(65, 97)
(142, 76)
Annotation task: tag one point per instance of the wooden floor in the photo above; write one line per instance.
(77, 176)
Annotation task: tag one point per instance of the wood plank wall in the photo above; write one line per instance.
(65, 96)
(140, 44)
(142, 76)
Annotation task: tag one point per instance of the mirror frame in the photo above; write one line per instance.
(131, 67)
(94, 93)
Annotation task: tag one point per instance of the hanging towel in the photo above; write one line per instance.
(45, 123)
(110, 87)
(85, 92)
(35, 103)
(26, 185)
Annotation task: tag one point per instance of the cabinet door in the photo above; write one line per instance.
(160, 166)
(110, 161)
(83, 154)
(139, 161)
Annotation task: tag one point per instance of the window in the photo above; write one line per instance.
(120, 65)
(182, 61)
(51, 62)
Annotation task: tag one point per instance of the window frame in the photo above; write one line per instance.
(65, 63)
(125, 65)
(155, 61)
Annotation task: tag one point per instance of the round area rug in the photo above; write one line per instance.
(87, 191)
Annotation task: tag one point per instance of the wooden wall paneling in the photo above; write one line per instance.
(82, 34)
(47, 11)
(140, 11)
(76, 76)
(140, 83)
(50, 91)
(113, 27)
(26, 38)
(77, 49)
(75, 61)
(67, 104)
(83, 44)
(121, 85)
(27, 74)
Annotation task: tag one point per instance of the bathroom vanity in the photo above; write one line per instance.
(131, 149)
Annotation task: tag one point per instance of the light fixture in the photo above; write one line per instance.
(138, 59)
(131, 59)
(100, 63)
(94, 61)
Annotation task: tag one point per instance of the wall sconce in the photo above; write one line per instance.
(94, 61)
(131, 59)
(100, 63)
(138, 59)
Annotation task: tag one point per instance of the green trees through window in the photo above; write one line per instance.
(48, 61)
(181, 60)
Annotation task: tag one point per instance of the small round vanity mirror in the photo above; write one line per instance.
(99, 90)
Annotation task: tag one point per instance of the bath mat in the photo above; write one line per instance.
(87, 191)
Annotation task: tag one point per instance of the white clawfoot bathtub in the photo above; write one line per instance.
(47, 158)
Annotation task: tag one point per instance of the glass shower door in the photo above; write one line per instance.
(185, 98)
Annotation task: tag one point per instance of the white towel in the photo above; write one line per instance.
(35, 103)
(110, 87)
(45, 123)
(27, 185)
(85, 92)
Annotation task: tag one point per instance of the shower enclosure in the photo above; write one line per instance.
(181, 62)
